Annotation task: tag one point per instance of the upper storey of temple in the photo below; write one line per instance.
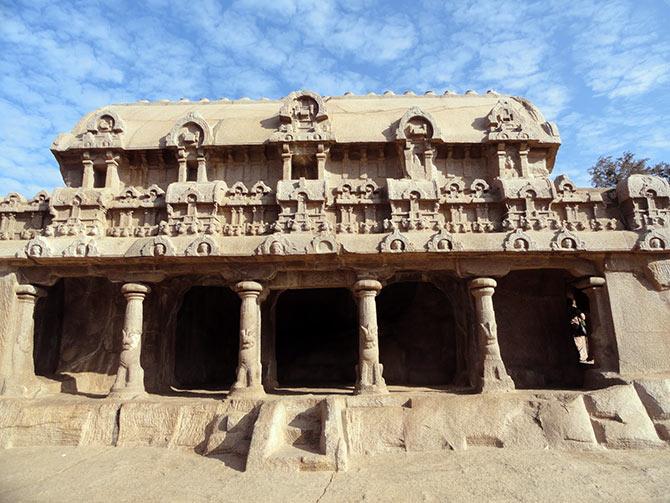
(414, 136)
(313, 174)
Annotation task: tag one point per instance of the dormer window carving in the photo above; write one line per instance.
(190, 135)
(417, 135)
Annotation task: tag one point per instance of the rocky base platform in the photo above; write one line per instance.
(320, 433)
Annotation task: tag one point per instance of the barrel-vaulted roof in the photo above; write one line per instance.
(469, 118)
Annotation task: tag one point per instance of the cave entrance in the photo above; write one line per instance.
(532, 311)
(49, 313)
(417, 336)
(316, 338)
(207, 339)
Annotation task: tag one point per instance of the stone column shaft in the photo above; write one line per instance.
(20, 379)
(129, 381)
(201, 175)
(248, 382)
(605, 364)
(112, 173)
(182, 174)
(493, 375)
(87, 176)
(369, 372)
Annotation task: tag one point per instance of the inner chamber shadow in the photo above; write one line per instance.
(207, 339)
(417, 337)
(316, 338)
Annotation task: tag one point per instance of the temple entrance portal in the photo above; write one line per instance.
(536, 344)
(417, 339)
(207, 339)
(316, 338)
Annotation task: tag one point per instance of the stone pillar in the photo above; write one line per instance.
(20, 379)
(286, 158)
(248, 383)
(605, 363)
(182, 174)
(87, 176)
(201, 176)
(493, 375)
(523, 160)
(129, 381)
(321, 157)
(112, 173)
(369, 371)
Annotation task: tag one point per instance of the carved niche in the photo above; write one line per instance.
(323, 244)
(528, 203)
(190, 135)
(644, 201)
(83, 247)
(22, 219)
(414, 205)
(302, 206)
(417, 135)
(194, 207)
(395, 242)
(566, 240)
(518, 241)
(360, 206)
(136, 212)
(443, 241)
(654, 241)
(303, 117)
(78, 212)
(103, 130)
(159, 246)
(248, 211)
(35, 248)
(506, 122)
(202, 246)
(277, 244)
(468, 209)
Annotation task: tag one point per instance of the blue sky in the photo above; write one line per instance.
(601, 70)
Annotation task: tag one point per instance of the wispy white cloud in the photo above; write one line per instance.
(601, 71)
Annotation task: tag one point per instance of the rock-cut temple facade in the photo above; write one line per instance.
(363, 248)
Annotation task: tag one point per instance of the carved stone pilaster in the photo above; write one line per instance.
(18, 367)
(369, 371)
(248, 383)
(129, 381)
(493, 375)
(605, 368)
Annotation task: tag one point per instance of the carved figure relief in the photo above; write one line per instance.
(103, 130)
(443, 241)
(303, 117)
(518, 241)
(202, 246)
(36, 248)
(82, 248)
(159, 246)
(417, 135)
(395, 242)
(653, 240)
(276, 244)
(566, 240)
(507, 122)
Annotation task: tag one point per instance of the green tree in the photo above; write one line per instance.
(607, 172)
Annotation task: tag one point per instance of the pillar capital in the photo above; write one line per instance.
(367, 285)
(28, 292)
(590, 282)
(482, 286)
(249, 288)
(135, 288)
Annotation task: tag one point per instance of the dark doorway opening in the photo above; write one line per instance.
(417, 337)
(49, 313)
(207, 339)
(316, 338)
(533, 328)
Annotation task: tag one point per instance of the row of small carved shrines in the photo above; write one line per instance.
(564, 240)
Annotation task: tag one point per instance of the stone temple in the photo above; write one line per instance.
(302, 281)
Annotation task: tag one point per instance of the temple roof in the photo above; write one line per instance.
(352, 119)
